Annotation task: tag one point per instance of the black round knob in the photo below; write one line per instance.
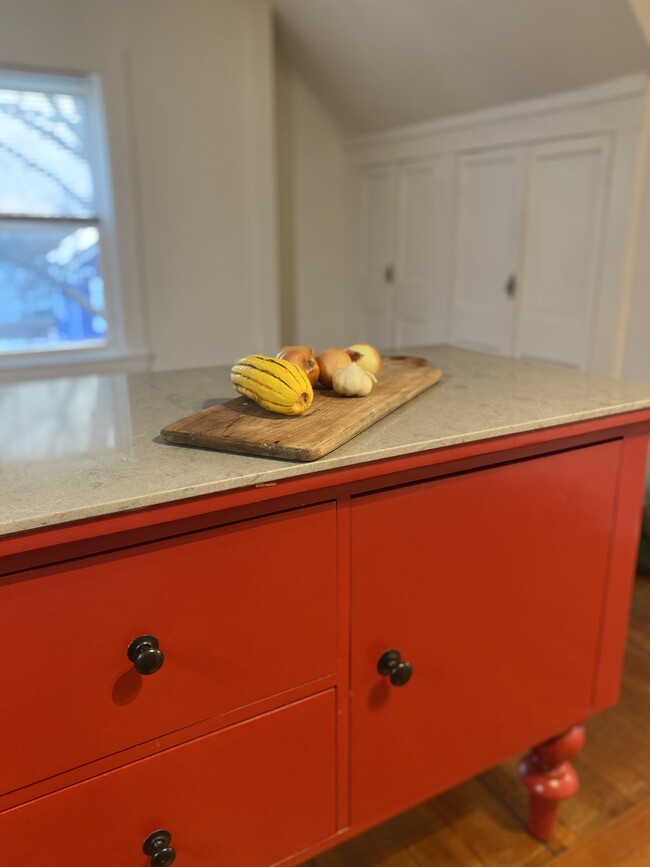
(392, 666)
(157, 847)
(164, 858)
(145, 655)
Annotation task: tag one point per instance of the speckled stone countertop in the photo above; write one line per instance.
(85, 446)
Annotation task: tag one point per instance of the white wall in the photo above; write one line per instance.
(312, 216)
(188, 97)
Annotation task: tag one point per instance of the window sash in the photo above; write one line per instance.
(86, 90)
(86, 87)
(70, 291)
(46, 82)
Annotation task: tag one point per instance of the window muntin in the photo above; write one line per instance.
(51, 283)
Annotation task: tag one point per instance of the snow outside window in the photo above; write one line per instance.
(52, 294)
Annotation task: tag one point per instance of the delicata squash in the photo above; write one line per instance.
(277, 385)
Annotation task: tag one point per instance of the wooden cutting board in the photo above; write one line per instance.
(240, 425)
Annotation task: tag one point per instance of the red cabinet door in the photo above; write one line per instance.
(246, 796)
(490, 584)
(240, 612)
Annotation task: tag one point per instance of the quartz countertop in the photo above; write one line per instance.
(86, 446)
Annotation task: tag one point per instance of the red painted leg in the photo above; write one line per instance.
(548, 776)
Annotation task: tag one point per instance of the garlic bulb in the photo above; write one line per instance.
(353, 380)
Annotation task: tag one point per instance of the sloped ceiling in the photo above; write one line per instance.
(376, 64)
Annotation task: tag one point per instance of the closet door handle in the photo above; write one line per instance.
(389, 274)
(511, 286)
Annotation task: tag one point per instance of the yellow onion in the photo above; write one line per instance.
(329, 361)
(366, 356)
(304, 357)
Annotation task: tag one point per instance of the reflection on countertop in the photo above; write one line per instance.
(51, 419)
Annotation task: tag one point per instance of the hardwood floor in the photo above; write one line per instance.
(481, 823)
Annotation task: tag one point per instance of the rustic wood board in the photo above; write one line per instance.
(240, 425)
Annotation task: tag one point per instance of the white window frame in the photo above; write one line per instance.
(90, 356)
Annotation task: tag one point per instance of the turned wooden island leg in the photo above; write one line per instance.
(549, 777)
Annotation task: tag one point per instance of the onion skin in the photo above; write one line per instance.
(304, 357)
(366, 356)
(329, 361)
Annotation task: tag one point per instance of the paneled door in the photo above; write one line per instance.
(561, 260)
(376, 256)
(488, 234)
(404, 252)
(421, 253)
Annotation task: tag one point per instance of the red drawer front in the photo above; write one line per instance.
(241, 613)
(491, 585)
(246, 796)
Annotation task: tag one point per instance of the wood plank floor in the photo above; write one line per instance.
(481, 823)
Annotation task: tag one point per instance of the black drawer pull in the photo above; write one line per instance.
(146, 656)
(392, 666)
(157, 847)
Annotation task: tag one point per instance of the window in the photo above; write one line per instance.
(52, 295)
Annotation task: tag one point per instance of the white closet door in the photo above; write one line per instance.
(562, 252)
(416, 243)
(488, 233)
(377, 255)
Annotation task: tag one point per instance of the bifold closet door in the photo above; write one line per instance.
(404, 251)
(489, 217)
(422, 252)
(562, 251)
(529, 239)
(376, 254)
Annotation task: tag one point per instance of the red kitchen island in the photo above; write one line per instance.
(214, 659)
